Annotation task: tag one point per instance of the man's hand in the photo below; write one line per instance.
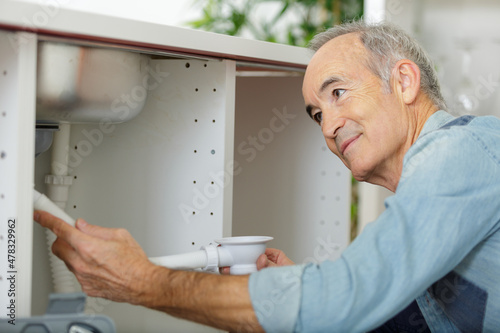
(107, 262)
(272, 257)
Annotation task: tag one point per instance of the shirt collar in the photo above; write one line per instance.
(435, 121)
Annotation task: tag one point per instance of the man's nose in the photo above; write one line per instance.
(331, 124)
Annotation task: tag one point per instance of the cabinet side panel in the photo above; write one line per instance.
(289, 186)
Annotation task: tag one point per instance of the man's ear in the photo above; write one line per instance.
(406, 76)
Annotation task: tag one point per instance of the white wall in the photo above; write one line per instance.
(441, 26)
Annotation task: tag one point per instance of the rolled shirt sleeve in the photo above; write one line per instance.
(275, 294)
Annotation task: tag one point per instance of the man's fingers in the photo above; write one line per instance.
(278, 257)
(225, 270)
(272, 254)
(60, 228)
(65, 252)
(263, 262)
(95, 230)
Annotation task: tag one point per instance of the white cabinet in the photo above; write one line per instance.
(222, 146)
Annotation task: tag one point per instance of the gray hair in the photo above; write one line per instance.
(386, 45)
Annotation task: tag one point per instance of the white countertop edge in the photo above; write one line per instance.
(62, 22)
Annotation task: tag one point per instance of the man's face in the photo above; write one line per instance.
(363, 124)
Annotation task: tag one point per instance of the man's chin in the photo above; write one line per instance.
(361, 175)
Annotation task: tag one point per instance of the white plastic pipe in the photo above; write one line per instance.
(60, 151)
(239, 253)
(64, 281)
(186, 261)
(58, 184)
(41, 202)
(244, 251)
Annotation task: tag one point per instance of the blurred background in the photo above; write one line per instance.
(461, 36)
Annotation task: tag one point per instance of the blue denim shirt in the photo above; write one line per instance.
(437, 242)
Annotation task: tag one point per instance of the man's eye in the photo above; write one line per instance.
(318, 117)
(337, 93)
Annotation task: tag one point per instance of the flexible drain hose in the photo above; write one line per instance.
(57, 185)
(64, 281)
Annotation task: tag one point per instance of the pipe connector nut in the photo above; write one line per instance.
(58, 180)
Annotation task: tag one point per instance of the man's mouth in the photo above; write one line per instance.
(347, 143)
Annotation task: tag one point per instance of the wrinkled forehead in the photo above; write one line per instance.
(338, 56)
(349, 44)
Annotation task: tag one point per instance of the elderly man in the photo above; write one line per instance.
(431, 261)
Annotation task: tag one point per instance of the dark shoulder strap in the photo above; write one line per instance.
(460, 121)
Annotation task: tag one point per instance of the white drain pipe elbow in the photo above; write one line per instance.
(239, 253)
(41, 202)
(209, 258)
